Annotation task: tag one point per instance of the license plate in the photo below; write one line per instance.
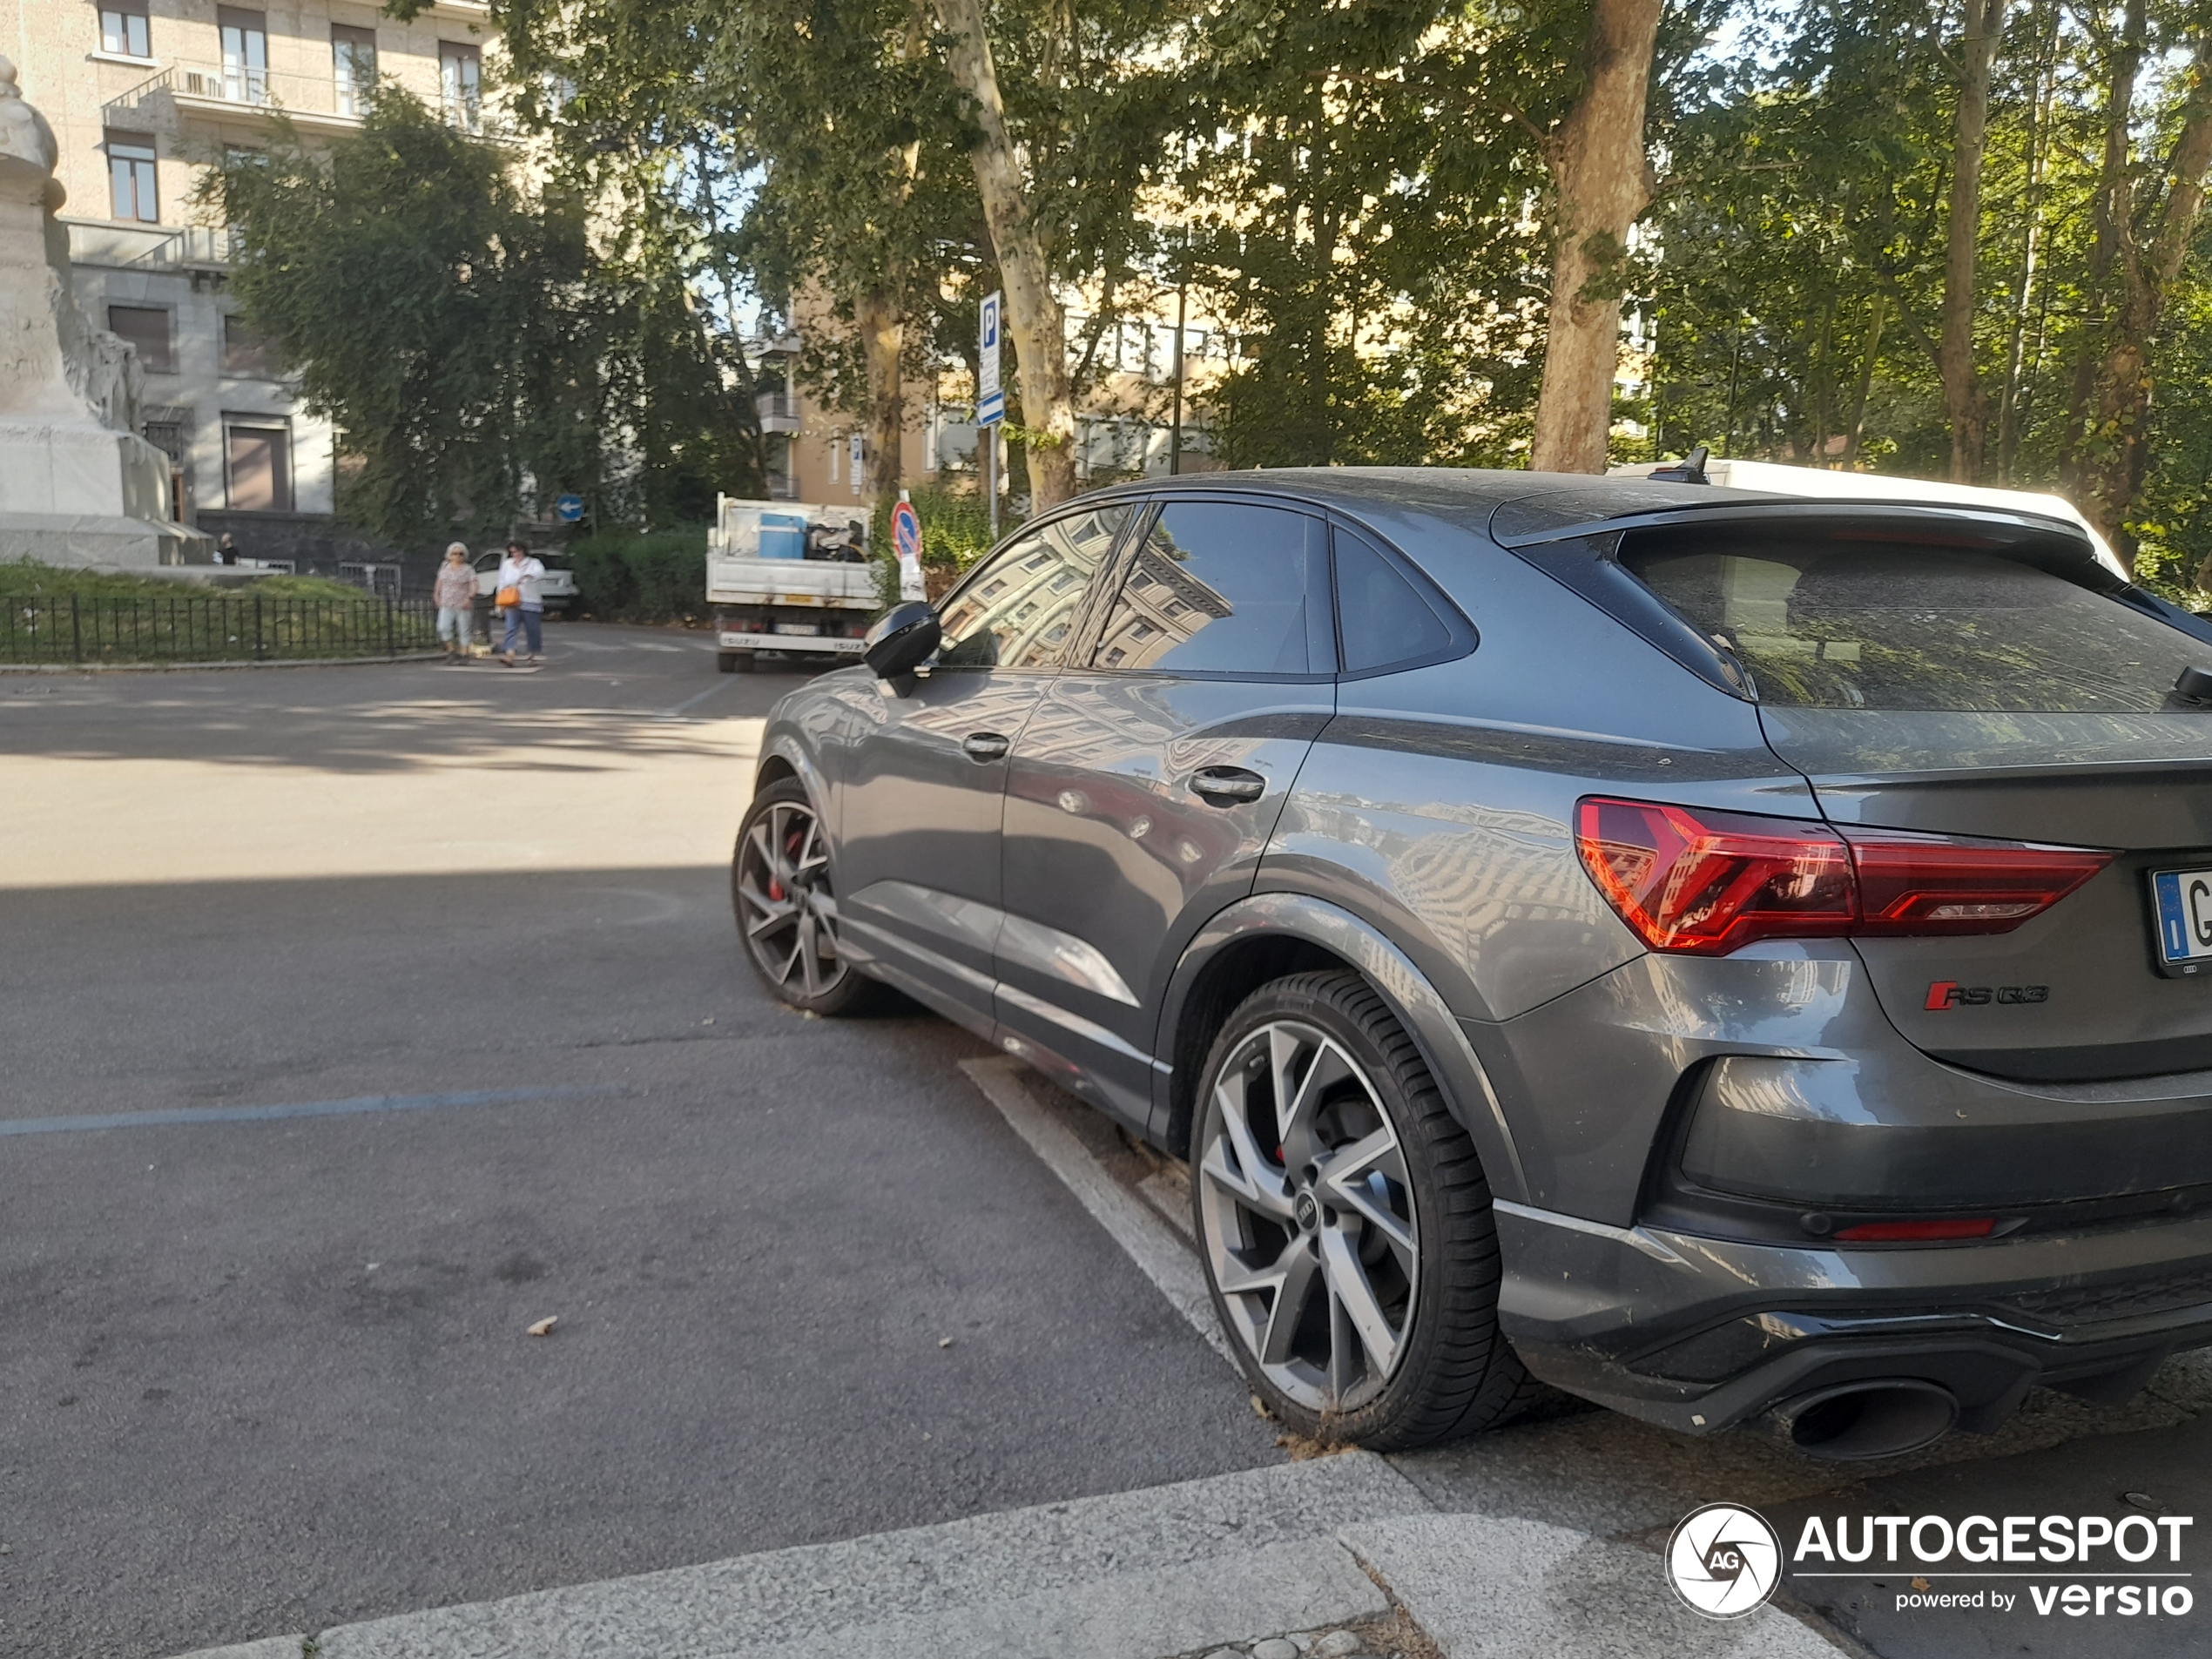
(2182, 901)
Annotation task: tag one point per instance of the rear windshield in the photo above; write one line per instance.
(1842, 624)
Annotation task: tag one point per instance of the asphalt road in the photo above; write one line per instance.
(434, 968)
(270, 1374)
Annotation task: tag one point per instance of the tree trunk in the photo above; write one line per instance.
(1866, 362)
(2112, 216)
(1601, 182)
(1966, 400)
(1033, 315)
(2039, 119)
(883, 339)
(2115, 458)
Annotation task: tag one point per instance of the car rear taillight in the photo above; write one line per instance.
(1938, 884)
(1708, 882)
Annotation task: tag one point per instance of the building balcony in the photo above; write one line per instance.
(332, 101)
(779, 411)
(119, 244)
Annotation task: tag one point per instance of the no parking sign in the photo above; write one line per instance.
(906, 541)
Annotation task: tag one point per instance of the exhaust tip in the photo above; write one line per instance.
(1869, 1420)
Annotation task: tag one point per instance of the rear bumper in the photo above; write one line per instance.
(823, 644)
(1698, 1334)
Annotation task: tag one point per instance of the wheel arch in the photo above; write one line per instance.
(1269, 935)
(784, 755)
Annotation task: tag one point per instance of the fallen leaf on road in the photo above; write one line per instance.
(944, 1342)
(1919, 1584)
(544, 1327)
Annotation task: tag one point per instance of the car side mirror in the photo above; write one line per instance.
(902, 641)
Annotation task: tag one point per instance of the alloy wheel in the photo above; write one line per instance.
(1308, 1218)
(784, 905)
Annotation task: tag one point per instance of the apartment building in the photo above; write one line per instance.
(142, 95)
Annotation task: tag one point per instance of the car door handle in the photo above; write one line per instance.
(985, 745)
(1227, 785)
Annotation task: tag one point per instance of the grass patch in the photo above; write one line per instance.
(22, 580)
(188, 624)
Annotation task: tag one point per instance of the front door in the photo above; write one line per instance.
(925, 768)
(1145, 788)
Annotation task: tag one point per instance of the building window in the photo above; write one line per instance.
(246, 55)
(257, 468)
(130, 168)
(247, 351)
(461, 85)
(147, 328)
(352, 61)
(123, 31)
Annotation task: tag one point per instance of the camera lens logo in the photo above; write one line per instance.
(1724, 1561)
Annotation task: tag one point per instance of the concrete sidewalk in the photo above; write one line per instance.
(1310, 1547)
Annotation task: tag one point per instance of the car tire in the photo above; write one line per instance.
(1367, 1224)
(779, 879)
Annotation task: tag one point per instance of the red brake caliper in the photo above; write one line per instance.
(791, 850)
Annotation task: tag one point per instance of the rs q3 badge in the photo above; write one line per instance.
(1949, 994)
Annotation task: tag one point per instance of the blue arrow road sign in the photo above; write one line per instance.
(569, 508)
(991, 409)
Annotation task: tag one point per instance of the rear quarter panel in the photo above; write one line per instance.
(1438, 806)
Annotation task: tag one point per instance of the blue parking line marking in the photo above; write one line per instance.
(365, 1103)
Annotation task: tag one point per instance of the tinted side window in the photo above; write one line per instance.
(1017, 609)
(1380, 615)
(1221, 588)
(1839, 624)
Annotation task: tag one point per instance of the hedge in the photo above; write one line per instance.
(659, 575)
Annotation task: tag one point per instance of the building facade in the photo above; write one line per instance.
(143, 96)
(1127, 368)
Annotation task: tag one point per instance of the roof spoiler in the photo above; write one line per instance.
(1690, 470)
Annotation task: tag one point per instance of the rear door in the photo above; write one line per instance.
(1142, 792)
(1928, 684)
(924, 770)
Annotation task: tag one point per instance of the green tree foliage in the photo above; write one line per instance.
(1364, 192)
(658, 576)
(1798, 289)
(472, 345)
(1371, 182)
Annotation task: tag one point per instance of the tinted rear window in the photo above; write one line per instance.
(1838, 625)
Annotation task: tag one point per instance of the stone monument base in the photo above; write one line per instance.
(74, 492)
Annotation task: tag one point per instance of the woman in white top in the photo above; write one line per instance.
(519, 595)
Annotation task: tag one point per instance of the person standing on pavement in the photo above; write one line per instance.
(519, 596)
(455, 593)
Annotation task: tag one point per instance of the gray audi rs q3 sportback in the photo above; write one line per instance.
(1717, 953)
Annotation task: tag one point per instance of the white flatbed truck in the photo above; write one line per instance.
(789, 577)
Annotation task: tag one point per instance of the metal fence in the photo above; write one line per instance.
(215, 628)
